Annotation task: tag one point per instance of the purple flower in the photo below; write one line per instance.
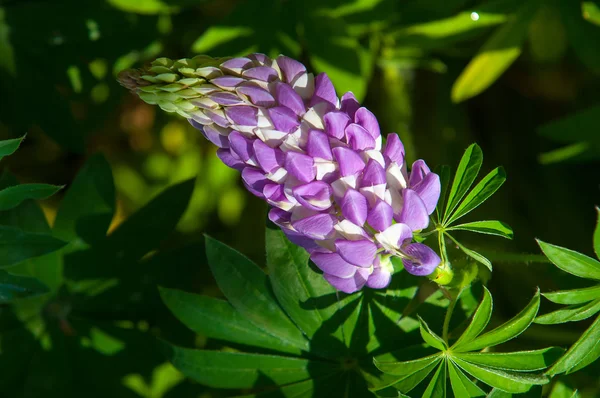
(317, 159)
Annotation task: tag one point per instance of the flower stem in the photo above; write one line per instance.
(447, 319)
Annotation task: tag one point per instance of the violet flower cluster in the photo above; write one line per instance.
(317, 159)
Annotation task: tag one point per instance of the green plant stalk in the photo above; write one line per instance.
(448, 317)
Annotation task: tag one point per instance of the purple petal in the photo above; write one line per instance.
(379, 279)
(300, 166)
(242, 115)
(262, 73)
(236, 64)
(227, 81)
(289, 98)
(429, 191)
(349, 161)
(229, 160)
(298, 239)
(261, 59)
(394, 149)
(335, 124)
(241, 145)
(319, 226)
(349, 104)
(211, 134)
(374, 174)
(227, 99)
(257, 95)
(368, 121)
(324, 91)
(358, 252)
(348, 285)
(280, 217)
(283, 119)
(414, 213)
(274, 192)
(318, 146)
(332, 264)
(424, 260)
(358, 138)
(218, 118)
(315, 195)
(290, 68)
(269, 159)
(255, 180)
(418, 172)
(380, 216)
(354, 207)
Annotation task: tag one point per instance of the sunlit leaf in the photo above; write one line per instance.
(519, 361)
(572, 313)
(430, 337)
(480, 193)
(462, 386)
(496, 55)
(406, 367)
(480, 320)
(12, 196)
(491, 227)
(466, 173)
(571, 261)
(508, 381)
(437, 385)
(579, 351)
(472, 253)
(507, 331)
(575, 296)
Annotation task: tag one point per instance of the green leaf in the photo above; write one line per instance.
(579, 351)
(403, 368)
(572, 313)
(480, 320)
(13, 287)
(506, 331)
(295, 284)
(462, 386)
(246, 287)
(407, 383)
(8, 147)
(472, 253)
(534, 392)
(575, 296)
(437, 385)
(467, 171)
(92, 192)
(597, 234)
(496, 55)
(570, 261)
(508, 381)
(592, 355)
(240, 370)
(430, 337)
(491, 227)
(17, 245)
(11, 197)
(519, 361)
(583, 36)
(482, 191)
(217, 319)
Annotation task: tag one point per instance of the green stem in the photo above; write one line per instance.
(447, 319)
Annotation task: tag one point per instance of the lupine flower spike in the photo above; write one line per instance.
(318, 160)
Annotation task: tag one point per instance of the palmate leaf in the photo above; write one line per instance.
(466, 173)
(597, 234)
(472, 253)
(510, 372)
(492, 227)
(584, 303)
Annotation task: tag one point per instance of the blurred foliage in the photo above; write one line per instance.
(519, 78)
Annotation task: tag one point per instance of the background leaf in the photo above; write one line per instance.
(17, 246)
(13, 287)
(12, 196)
